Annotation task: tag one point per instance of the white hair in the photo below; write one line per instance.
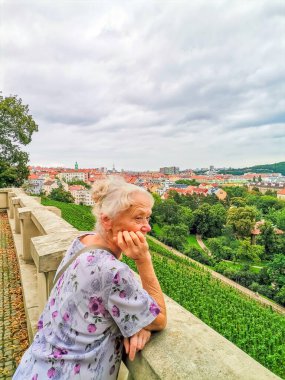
(112, 196)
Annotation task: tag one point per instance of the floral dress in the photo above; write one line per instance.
(95, 303)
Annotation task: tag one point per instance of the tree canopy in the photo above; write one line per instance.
(61, 195)
(242, 219)
(16, 129)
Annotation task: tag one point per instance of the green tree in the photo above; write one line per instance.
(280, 219)
(280, 296)
(265, 203)
(79, 182)
(268, 238)
(186, 217)
(202, 219)
(276, 271)
(200, 256)
(189, 182)
(246, 251)
(61, 195)
(238, 202)
(235, 191)
(16, 129)
(166, 212)
(242, 219)
(174, 235)
(209, 220)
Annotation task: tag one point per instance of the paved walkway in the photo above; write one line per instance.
(202, 245)
(13, 329)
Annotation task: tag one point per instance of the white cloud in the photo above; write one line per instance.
(148, 84)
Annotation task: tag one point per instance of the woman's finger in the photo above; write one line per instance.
(135, 238)
(121, 241)
(133, 347)
(140, 344)
(128, 239)
(141, 236)
(127, 345)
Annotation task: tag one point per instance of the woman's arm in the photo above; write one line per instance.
(134, 246)
(151, 285)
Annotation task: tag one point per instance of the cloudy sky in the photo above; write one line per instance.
(146, 84)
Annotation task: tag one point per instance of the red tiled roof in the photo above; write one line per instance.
(33, 176)
(76, 187)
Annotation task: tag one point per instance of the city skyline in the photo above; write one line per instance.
(147, 85)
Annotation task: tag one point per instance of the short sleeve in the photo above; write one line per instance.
(131, 307)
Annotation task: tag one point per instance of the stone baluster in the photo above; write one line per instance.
(28, 230)
(16, 206)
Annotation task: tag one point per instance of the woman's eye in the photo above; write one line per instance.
(141, 219)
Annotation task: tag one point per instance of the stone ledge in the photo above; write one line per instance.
(47, 251)
(189, 349)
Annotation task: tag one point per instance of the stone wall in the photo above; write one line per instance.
(186, 349)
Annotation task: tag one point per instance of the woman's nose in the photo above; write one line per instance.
(146, 228)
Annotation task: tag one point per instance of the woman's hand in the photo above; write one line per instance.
(136, 343)
(134, 245)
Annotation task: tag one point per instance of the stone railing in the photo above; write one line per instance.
(186, 349)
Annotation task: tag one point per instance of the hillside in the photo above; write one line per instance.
(237, 317)
(79, 217)
(278, 167)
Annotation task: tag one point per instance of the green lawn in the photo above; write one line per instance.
(156, 229)
(239, 265)
(192, 242)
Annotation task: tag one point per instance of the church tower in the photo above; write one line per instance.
(76, 166)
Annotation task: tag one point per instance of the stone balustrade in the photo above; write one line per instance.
(186, 349)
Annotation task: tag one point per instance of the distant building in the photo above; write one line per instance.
(281, 194)
(265, 186)
(169, 170)
(72, 176)
(48, 186)
(36, 184)
(81, 195)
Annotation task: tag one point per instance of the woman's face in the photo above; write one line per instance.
(136, 218)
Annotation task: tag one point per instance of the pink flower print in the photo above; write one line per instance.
(52, 301)
(76, 263)
(115, 311)
(76, 368)
(116, 279)
(40, 324)
(90, 259)
(58, 352)
(122, 294)
(60, 280)
(51, 372)
(91, 328)
(54, 314)
(35, 377)
(66, 317)
(96, 306)
(154, 309)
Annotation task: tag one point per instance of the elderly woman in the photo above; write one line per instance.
(97, 305)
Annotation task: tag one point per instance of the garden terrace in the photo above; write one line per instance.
(186, 349)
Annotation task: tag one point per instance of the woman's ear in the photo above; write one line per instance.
(106, 222)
